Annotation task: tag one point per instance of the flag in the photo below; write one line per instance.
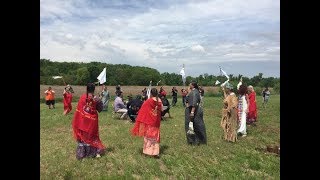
(149, 90)
(224, 73)
(56, 77)
(102, 76)
(183, 74)
(158, 82)
(223, 84)
(217, 82)
(239, 84)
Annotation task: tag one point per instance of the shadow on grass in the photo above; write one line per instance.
(110, 149)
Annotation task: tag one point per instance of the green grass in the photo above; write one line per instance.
(217, 160)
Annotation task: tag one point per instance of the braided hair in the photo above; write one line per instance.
(90, 89)
(154, 93)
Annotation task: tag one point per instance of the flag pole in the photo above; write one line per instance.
(184, 82)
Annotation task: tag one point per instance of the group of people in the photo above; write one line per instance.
(238, 111)
(146, 114)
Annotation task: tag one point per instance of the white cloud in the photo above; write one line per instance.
(197, 48)
(189, 32)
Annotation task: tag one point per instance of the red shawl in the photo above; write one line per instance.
(67, 99)
(252, 106)
(85, 122)
(148, 120)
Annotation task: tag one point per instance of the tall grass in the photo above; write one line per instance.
(216, 160)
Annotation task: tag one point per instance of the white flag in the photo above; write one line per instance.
(217, 82)
(56, 77)
(149, 90)
(239, 84)
(224, 83)
(224, 73)
(183, 74)
(102, 76)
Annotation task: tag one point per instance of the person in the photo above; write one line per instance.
(105, 97)
(201, 90)
(133, 107)
(144, 94)
(119, 107)
(162, 92)
(50, 99)
(229, 114)
(118, 91)
(148, 125)
(184, 95)
(174, 92)
(85, 125)
(67, 100)
(242, 111)
(252, 114)
(194, 114)
(265, 96)
(165, 105)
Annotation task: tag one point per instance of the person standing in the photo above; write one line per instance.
(105, 97)
(265, 95)
(174, 92)
(184, 95)
(252, 114)
(242, 111)
(67, 99)
(85, 125)
(50, 99)
(194, 114)
(148, 124)
(229, 114)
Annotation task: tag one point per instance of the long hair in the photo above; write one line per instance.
(154, 93)
(195, 84)
(242, 90)
(90, 89)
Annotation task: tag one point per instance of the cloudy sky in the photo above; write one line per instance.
(241, 36)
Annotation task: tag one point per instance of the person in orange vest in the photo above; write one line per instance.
(50, 101)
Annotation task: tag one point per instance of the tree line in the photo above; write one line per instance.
(78, 73)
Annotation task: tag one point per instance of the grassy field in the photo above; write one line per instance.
(216, 160)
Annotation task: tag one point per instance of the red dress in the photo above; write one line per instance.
(85, 122)
(67, 99)
(148, 120)
(252, 115)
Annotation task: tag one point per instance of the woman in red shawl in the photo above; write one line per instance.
(252, 114)
(148, 124)
(67, 99)
(85, 125)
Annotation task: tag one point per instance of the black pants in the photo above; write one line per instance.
(174, 100)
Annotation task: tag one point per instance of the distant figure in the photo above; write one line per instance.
(118, 90)
(174, 92)
(201, 91)
(67, 99)
(165, 106)
(85, 125)
(50, 99)
(148, 124)
(133, 107)
(229, 122)
(242, 111)
(252, 114)
(162, 91)
(184, 95)
(265, 96)
(119, 107)
(105, 97)
(144, 94)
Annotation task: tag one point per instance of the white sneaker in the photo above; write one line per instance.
(98, 155)
(244, 135)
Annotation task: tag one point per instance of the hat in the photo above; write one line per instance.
(228, 85)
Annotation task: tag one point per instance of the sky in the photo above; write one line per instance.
(240, 36)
